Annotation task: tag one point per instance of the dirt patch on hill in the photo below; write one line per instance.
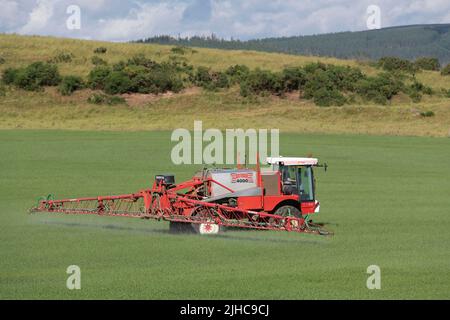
(140, 99)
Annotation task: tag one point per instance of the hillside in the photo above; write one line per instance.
(409, 42)
(224, 108)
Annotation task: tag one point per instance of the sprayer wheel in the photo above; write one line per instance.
(208, 228)
(289, 211)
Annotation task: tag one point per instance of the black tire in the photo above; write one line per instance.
(286, 211)
(289, 211)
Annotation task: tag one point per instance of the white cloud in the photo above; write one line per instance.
(39, 17)
(127, 20)
(91, 5)
(147, 19)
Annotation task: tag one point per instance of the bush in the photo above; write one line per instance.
(62, 57)
(262, 81)
(446, 70)
(117, 82)
(202, 76)
(237, 73)
(33, 77)
(380, 88)
(327, 81)
(397, 64)
(159, 80)
(100, 50)
(2, 60)
(415, 96)
(221, 80)
(293, 78)
(313, 67)
(105, 99)
(178, 50)
(9, 75)
(427, 114)
(97, 76)
(211, 80)
(317, 80)
(426, 63)
(141, 60)
(420, 87)
(70, 84)
(119, 66)
(328, 97)
(97, 61)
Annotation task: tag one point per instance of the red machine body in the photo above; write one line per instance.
(278, 198)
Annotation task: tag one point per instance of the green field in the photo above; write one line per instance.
(386, 198)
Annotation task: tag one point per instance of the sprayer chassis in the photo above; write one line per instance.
(185, 203)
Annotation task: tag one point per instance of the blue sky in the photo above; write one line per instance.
(117, 20)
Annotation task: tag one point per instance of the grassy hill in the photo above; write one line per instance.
(408, 42)
(220, 109)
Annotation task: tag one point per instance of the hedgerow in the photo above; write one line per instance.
(324, 84)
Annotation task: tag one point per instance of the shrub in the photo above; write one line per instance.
(415, 96)
(293, 78)
(420, 87)
(319, 79)
(262, 81)
(105, 99)
(117, 82)
(97, 61)
(159, 80)
(119, 66)
(313, 67)
(397, 64)
(178, 50)
(97, 76)
(70, 84)
(237, 73)
(62, 57)
(34, 76)
(328, 81)
(141, 60)
(221, 80)
(427, 63)
(100, 50)
(2, 60)
(202, 76)
(328, 97)
(345, 77)
(211, 80)
(380, 88)
(446, 70)
(9, 75)
(427, 114)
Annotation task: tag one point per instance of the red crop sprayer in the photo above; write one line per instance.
(278, 197)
